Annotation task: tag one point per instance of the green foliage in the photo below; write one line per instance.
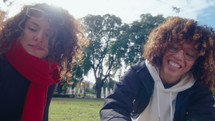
(92, 91)
(74, 80)
(87, 64)
(70, 109)
(213, 91)
(102, 31)
(77, 71)
(60, 95)
(61, 87)
(109, 83)
(76, 76)
(132, 38)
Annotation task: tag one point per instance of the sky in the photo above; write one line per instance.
(130, 10)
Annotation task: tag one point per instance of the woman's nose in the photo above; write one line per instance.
(179, 54)
(39, 36)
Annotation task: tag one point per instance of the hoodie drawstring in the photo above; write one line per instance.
(158, 96)
(170, 103)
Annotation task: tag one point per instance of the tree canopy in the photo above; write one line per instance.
(114, 43)
(102, 31)
(129, 44)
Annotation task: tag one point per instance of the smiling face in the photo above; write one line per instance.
(177, 60)
(35, 37)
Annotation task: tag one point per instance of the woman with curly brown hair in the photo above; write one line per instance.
(36, 47)
(173, 83)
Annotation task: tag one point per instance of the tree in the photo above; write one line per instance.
(108, 86)
(129, 46)
(71, 78)
(102, 31)
(113, 43)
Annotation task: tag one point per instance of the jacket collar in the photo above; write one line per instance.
(145, 77)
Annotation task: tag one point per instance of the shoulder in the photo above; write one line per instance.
(134, 73)
(5, 66)
(139, 66)
(201, 97)
(198, 90)
(201, 88)
(131, 75)
(138, 79)
(142, 73)
(132, 78)
(3, 62)
(201, 103)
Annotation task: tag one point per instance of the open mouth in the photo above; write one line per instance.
(35, 47)
(173, 64)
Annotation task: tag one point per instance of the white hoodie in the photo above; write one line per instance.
(162, 103)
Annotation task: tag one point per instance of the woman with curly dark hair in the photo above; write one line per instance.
(173, 83)
(37, 47)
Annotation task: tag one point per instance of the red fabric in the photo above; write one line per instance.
(41, 73)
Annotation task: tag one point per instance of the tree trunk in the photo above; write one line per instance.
(99, 84)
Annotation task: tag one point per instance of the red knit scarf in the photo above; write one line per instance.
(41, 73)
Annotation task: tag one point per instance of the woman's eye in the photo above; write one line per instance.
(190, 55)
(32, 29)
(172, 48)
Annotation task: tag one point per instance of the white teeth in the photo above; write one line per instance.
(174, 64)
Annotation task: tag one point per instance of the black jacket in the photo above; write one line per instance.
(132, 93)
(13, 90)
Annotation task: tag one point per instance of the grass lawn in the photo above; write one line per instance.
(70, 109)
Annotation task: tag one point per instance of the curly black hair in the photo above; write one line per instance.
(180, 30)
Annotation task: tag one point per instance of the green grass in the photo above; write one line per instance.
(70, 109)
(213, 91)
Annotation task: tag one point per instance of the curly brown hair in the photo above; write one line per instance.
(64, 48)
(180, 30)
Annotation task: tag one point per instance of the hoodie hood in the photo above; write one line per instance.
(186, 81)
(162, 103)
